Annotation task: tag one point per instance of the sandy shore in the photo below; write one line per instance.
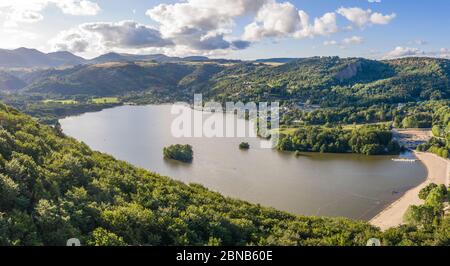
(438, 173)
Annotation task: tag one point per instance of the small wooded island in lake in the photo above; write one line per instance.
(178, 152)
(244, 146)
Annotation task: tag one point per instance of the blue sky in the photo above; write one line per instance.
(244, 29)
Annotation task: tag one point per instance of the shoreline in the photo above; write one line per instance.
(437, 172)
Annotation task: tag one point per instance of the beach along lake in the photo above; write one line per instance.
(348, 185)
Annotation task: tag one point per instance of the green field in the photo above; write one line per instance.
(288, 131)
(105, 100)
(356, 126)
(61, 101)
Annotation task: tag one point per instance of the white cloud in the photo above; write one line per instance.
(324, 25)
(78, 7)
(283, 20)
(274, 20)
(353, 40)
(444, 53)
(420, 42)
(362, 17)
(330, 43)
(378, 18)
(15, 37)
(205, 26)
(401, 51)
(202, 24)
(107, 35)
(126, 34)
(205, 16)
(72, 40)
(30, 11)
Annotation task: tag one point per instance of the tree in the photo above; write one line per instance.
(9, 191)
(183, 153)
(421, 216)
(424, 192)
(436, 197)
(102, 237)
(58, 129)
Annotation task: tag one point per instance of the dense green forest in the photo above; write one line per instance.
(440, 123)
(335, 82)
(53, 188)
(328, 81)
(368, 140)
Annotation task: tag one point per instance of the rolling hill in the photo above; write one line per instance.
(109, 79)
(10, 83)
(32, 58)
(327, 81)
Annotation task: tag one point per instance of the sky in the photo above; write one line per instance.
(237, 29)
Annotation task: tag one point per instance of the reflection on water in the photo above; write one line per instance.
(311, 184)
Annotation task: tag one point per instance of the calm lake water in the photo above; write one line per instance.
(312, 184)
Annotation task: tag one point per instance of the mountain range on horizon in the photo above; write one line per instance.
(33, 58)
(322, 79)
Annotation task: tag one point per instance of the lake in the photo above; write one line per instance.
(348, 185)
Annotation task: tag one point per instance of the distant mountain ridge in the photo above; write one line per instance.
(118, 57)
(32, 58)
(276, 60)
(10, 83)
(326, 81)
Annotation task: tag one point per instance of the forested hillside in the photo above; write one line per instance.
(333, 81)
(328, 81)
(109, 79)
(53, 188)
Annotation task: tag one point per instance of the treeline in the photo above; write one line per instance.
(431, 214)
(368, 140)
(440, 143)
(340, 116)
(440, 147)
(427, 224)
(411, 115)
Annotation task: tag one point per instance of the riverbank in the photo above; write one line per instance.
(438, 173)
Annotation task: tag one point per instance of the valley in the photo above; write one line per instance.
(338, 119)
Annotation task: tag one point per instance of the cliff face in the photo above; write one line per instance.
(349, 72)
